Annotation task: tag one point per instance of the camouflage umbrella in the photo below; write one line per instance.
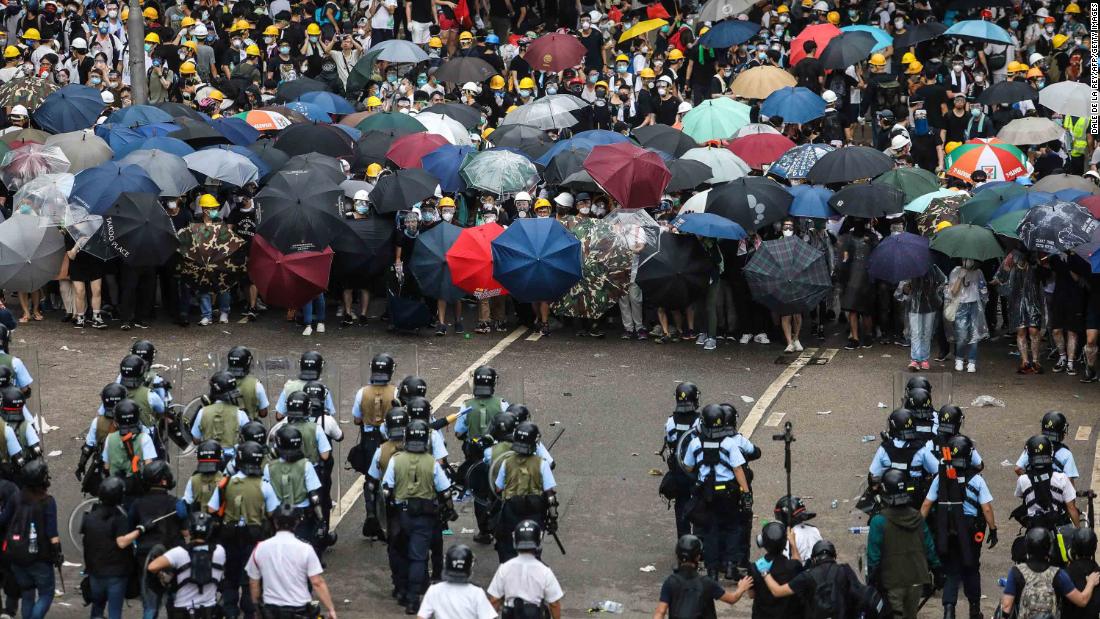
(29, 92)
(941, 209)
(211, 257)
(605, 271)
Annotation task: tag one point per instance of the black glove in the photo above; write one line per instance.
(140, 529)
(746, 501)
(322, 531)
(938, 577)
(80, 474)
(991, 538)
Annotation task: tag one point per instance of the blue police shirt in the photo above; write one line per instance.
(280, 405)
(976, 490)
(461, 426)
(441, 481)
(729, 459)
(548, 482)
(922, 459)
(1063, 462)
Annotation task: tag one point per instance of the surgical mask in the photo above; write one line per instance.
(448, 215)
(391, 77)
(421, 81)
(25, 209)
(103, 30)
(1039, 84)
(148, 47)
(592, 79)
(96, 81)
(428, 216)
(853, 15)
(727, 72)
(313, 39)
(975, 112)
(783, 19)
(183, 54)
(284, 49)
(788, 233)
(899, 23)
(269, 40)
(584, 210)
(112, 13)
(236, 43)
(1049, 29)
(551, 90)
(489, 219)
(1014, 24)
(361, 207)
(779, 31)
(762, 55)
(979, 78)
(585, 25)
(156, 62)
(662, 91)
(173, 205)
(649, 84)
(621, 68)
(546, 215)
(971, 53)
(598, 210)
(524, 92)
(957, 67)
(213, 214)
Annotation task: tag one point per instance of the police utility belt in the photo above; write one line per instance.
(522, 609)
(207, 612)
(420, 507)
(308, 611)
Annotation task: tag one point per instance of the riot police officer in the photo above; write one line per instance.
(221, 420)
(471, 427)
(310, 366)
(129, 448)
(379, 509)
(918, 402)
(324, 423)
(677, 484)
(369, 412)
(903, 449)
(315, 444)
(23, 378)
(527, 489)
(207, 477)
(21, 441)
(419, 408)
(1054, 427)
(253, 395)
(411, 386)
(751, 453)
(1048, 498)
(96, 438)
(155, 511)
(950, 424)
(160, 385)
(522, 413)
(150, 405)
(199, 566)
(295, 482)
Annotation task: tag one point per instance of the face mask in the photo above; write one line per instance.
(620, 68)
(1014, 24)
(148, 47)
(284, 49)
(1039, 84)
(103, 30)
(585, 25)
(896, 230)
(592, 79)
(489, 219)
(524, 92)
(650, 84)
(727, 72)
(762, 55)
(313, 39)
(212, 214)
(173, 205)
(978, 79)
(521, 213)
(899, 23)
(421, 81)
(96, 81)
(779, 31)
(269, 40)
(601, 92)
(112, 13)
(448, 215)
(783, 19)
(957, 68)
(1049, 29)
(969, 263)
(236, 43)
(853, 15)
(788, 233)
(598, 210)
(428, 216)
(361, 207)
(624, 95)
(662, 91)
(305, 67)
(584, 210)
(25, 209)
(975, 112)
(551, 90)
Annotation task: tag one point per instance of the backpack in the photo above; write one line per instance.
(825, 600)
(687, 596)
(1038, 598)
(888, 94)
(22, 546)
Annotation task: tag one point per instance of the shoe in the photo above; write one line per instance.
(339, 311)
(1059, 366)
(745, 338)
(545, 331)
(688, 335)
(482, 327)
(78, 322)
(483, 538)
(627, 335)
(941, 357)
(349, 320)
(660, 339)
(441, 329)
(459, 329)
(1071, 369)
(250, 313)
(67, 318)
(596, 333)
(642, 334)
(914, 366)
(948, 611)
(901, 342)
(97, 322)
(205, 322)
(1024, 368)
(412, 605)
(581, 333)
(1090, 374)
(307, 331)
(320, 328)
(866, 343)
(363, 320)
(852, 344)
(700, 339)
(125, 326)
(959, 365)
(710, 344)
(731, 571)
(820, 332)
(789, 348)
(971, 367)
(762, 338)
(1036, 368)
(798, 346)
(223, 317)
(501, 326)
(140, 325)
(975, 611)
(924, 365)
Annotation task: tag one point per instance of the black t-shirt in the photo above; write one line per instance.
(701, 72)
(956, 126)
(809, 71)
(102, 556)
(422, 11)
(498, 8)
(593, 46)
(711, 591)
(666, 110)
(182, 219)
(804, 586)
(764, 604)
(934, 97)
(244, 224)
(521, 67)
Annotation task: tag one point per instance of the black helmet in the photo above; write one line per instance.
(12, 402)
(951, 420)
(127, 416)
(895, 487)
(7, 376)
(285, 517)
(689, 549)
(458, 563)
(36, 474)
(253, 431)
(731, 415)
(5, 337)
(382, 367)
(1055, 426)
(132, 371)
(918, 382)
(962, 450)
(223, 387)
(209, 456)
(485, 381)
(310, 365)
(317, 393)
(525, 438)
(822, 552)
(1037, 542)
(250, 458)
(687, 397)
(416, 437)
(111, 490)
(111, 395)
(419, 408)
(297, 405)
(288, 443)
(412, 386)
(772, 538)
(713, 423)
(144, 349)
(521, 412)
(200, 524)
(527, 536)
(918, 399)
(791, 511)
(1040, 453)
(900, 425)
(158, 474)
(502, 426)
(240, 361)
(396, 420)
(1083, 544)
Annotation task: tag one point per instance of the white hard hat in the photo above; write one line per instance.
(472, 87)
(899, 142)
(564, 199)
(1035, 58)
(18, 110)
(664, 78)
(1042, 12)
(523, 196)
(199, 30)
(829, 96)
(79, 43)
(685, 107)
(361, 195)
(107, 97)
(821, 5)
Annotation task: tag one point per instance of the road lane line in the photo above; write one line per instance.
(1083, 433)
(774, 419)
(356, 490)
(773, 391)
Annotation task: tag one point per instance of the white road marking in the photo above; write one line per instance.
(774, 419)
(1083, 433)
(535, 336)
(356, 490)
(460, 400)
(773, 391)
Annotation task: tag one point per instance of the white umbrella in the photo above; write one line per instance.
(398, 50)
(552, 112)
(452, 130)
(224, 165)
(724, 165)
(755, 128)
(695, 204)
(30, 254)
(716, 10)
(1033, 130)
(1069, 98)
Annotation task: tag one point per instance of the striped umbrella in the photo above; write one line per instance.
(999, 161)
(263, 120)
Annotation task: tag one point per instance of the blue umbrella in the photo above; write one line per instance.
(71, 108)
(883, 39)
(537, 259)
(1022, 202)
(263, 169)
(796, 162)
(175, 146)
(1070, 194)
(899, 257)
(585, 140)
(352, 131)
(709, 225)
(135, 115)
(96, 189)
(123, 140)
(794, 104)
(311, 111)
(811, 201)
(153, 130)
(444, 163)
(331, 103)
(236, 130)
(979, 29)
(728, 33)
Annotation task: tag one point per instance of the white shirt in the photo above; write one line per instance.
(527, 578)
(1060, 487)
(805, 536)
(189, 595)
(448, 600)
(285, 564)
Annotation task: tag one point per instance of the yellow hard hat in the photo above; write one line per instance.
(435, 42)
(807, 3)
(152, 37)
(601, 83)
(908, 57)
(647, 73)
(374, 169)
(373, 101)
(878, 60)
(466, 36)
(527, 83)
(149, 13)
(834, 18)
(11, 51)
(191, 45)
(31, 34)
(313, 30)
(446, 201)
(621, 58)
(208, 201)
(496, 82)
(187, 22)
(783, 9)
(271, 31)
(1073, 8)
(1012, 67)
(704, 30)
(187, 68)
(252, 50)
(1059, 40)
(675, 54)
(216, 94)
(943, 224)
(510, 109)
(1034, 72)
(950, 146)
(914, 68)
(241, 24)
(485, 134)
(125, 13)
(542, 203)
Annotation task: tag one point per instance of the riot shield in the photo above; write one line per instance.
(943, 384)
(28, 354)
(155, 584)
(278, 368)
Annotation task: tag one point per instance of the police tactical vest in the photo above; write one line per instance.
(140, 396)
(7, 361)
(20, 431)
(249, 400)
(220, 423)
(950, 522)
(901, 458)
(522, 476)
(922, 422)
(498, 450)
(1046, 497)
(308, 429)
(119, 461)
(374, 401)
(200, 565)
(102, 429)
(681, 424)
(289, 480)
(414, 476)
(480, 415)
(203, 486)
(244, 498)
(387, 451)
(292, 385)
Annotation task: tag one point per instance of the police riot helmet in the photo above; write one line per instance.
(127, 416)
(35, 474)
(157, 474)
(1055, 426)
(112, 394)
(5, 337)
(900, 425)
(412, 386)
(951, 421)
(111, 491)
(200, 524)
(525, 438)
(961, 449)
(895, 488)
(689, 549)
(1083, 543)
(822, 552)
(416, 436)
(250, 458)
(382, 367)
(239, 361)
(253, 431)
(918, 400)
(223, 387)
(310, 365)
(419, 408)
(396, 420)
(288, 443)
(502, 426)
(12, 402)
(527, 536)
(1037, 542)
(918, 382)
(209, 456)
(297, 405)
(687, 397)
(731, 415)
(713, 423)
(144, 349)
(521, 412)
(791, 511)
(7, 376)
(132, 371)
(317, 393)
(772, 538)
(485, 381)
(285, 517)
(458, 564)
(1040, 453)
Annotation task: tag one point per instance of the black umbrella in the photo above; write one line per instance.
(687, 174)
(269, 154)
(374, 144)
(429, 262)
(564, 164)
(198, 133)
(137, 230)
(402, 189)
(868, 200)
(469, 116)
(665, 138)
(847, 49)
(465, 69)
(326, 167)
(752, 201)
(1008, 92)
(298, 212)
(675, 271)
(324, 139)
(364, 250)
(530, 140)
(788, 275)
(1056, 227)
(290, 91)
(179, 110)
(845, 165)
(918, 34)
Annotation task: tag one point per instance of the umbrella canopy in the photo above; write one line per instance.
(788, 275)
(584, 140)
(298, 211)
(236, 130)
(967, 241)
(941, 209)
(845, 165)
(83, 149)
(407, 151)
(211, 257)
(288, 279)
(381, 121)
(728, 33)
(663, 138)
(715, 119)
(30, 254)
(921, 203)
(868, 201)
(978, 209)
(605, 270)
(536, 259)
(687, 174)
(999, 161)
(29, 92)
(979, 30)
(755, 128)
(429, 262)
(759, 82)
(899, 257)
(263, 120)
(198, 133)
(500, 172)
(1056, 227)
(709, 225)
(797, 162)
(847, 49)
(753, 202)
(546, 113)
(760, 150)
(71, 108)
(330, 102)
(444, 163)
(641, 28)
(882, 38)
(310, 111)
(293, 89)
(715, 10)
(364, 251)
(1069, 98)
(324, 139)
(136, 115)
(402, 189)
(22, 137)
(794, 104)
(1008, 92)
(445, 126)
(564, 164)
(1023, 202)
(263, 169)
(226, 166)
(178, 110)
(724, 165)
(914, 182)
(26, 162)
(674, 272)
(470, 259)
(469, 117)
(175, 146)
(374, 144)
(919, 33)
(270, 154)
(1032, 130)
(96, 189)
(398, 51)
(1053, 183)
(635, 177)
(48, 197)
(1006, 225)
(811, 201)
(821, 34)
(1092, 203)
(168, 171)
(137, 230)
(553, 52)
(525, 138)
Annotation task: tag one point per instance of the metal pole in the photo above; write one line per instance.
(135, 30)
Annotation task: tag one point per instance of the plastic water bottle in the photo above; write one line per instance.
(859, 530)
(834, 504)
(32, 545)
(867, 438)
(1002, 582)
(609, 606)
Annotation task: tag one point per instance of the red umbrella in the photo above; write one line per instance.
(554, 52)
(634, 176)
(760, 149)
(288, 280)
(407, 150)
(819, 33)
(471, 261)
(1092, 203)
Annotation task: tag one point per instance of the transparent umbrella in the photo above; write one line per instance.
(547, 113)
(499, 171)
(30, 254)
(29, 161)
(48, 197)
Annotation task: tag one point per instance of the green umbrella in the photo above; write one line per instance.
(1007, 224)
(716, 119)
(383, 121)
(920, 204)
(978, 208)
(499, 171)
(913, 182)
(967, 241)
(363, 72)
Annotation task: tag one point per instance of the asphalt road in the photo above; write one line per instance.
(611, 397)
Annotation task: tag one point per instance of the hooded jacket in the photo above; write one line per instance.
(900, 548)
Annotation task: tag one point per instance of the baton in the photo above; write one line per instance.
(555, 442)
